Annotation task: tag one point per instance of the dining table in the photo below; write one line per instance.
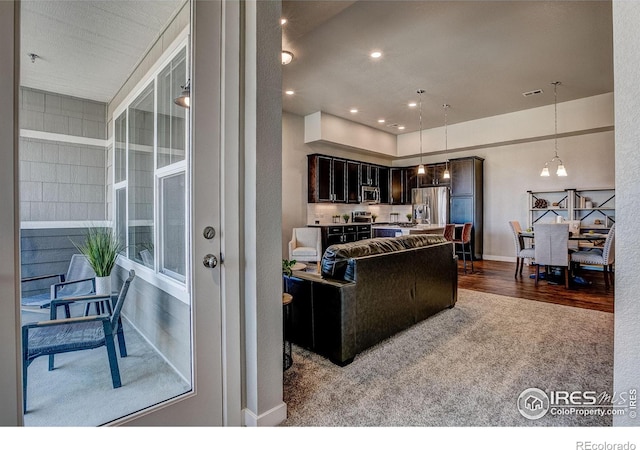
(594, 239)
(591, 237)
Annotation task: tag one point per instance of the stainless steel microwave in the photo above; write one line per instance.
(370, 195)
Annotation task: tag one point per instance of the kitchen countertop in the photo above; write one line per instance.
(417, 229)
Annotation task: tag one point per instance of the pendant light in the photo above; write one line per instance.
(446, 175)
(421, 170)
(561, 171)
(184, 99)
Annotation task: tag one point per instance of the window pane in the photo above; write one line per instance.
(121, 216)
(120, 133)
(173, 226)
(171, 117)
(141, 175)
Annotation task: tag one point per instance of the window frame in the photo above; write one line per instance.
(163, 281)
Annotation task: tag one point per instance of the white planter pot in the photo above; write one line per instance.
(103, 285)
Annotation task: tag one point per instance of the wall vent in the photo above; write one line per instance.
(534, 92)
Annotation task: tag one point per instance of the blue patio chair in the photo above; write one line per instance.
(78, 281)
(52, 337)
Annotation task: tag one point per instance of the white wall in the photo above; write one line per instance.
(626, 40)
(577, 116)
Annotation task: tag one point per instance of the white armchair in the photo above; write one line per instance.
(306, 245)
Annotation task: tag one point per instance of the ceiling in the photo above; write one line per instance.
(88, 49)
(477, 56)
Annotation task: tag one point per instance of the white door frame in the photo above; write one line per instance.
(10, 383)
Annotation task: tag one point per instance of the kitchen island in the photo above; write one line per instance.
(397, 229)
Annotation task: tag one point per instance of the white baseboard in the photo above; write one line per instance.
(273, 417)
(499, 258)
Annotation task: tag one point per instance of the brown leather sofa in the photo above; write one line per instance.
(369, 291)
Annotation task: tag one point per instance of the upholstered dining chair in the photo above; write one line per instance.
(551, 248)
(522, 251)
(306, 245)
(465, 243)
(604, 257)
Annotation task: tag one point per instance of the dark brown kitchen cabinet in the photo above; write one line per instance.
(410, 181)
(369, 175)
(353, 182)
(467, 197)
(341, 234)
(327, 179)
(384, 184)
(397, 176)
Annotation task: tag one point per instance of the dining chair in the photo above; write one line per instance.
(551, 248)
(465, 243)
(522, 251)
(604, 257)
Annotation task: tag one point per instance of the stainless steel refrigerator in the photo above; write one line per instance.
(431, 205)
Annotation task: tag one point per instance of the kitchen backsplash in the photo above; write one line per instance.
(322, 213)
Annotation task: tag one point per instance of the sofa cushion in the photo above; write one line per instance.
(337, 261)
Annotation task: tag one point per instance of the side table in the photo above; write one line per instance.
(286, 344)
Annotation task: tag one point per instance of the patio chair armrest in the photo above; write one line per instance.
(55, 303)
(60, 277)
(50, 323)
(56, 287)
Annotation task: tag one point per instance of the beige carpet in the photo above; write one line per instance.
(463, 367)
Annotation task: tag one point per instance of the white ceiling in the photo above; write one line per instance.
(477, 56)
(88, 49)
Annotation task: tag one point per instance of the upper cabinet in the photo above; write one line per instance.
(353, 181)
(327, 179)
(340, 180)
(369, 175)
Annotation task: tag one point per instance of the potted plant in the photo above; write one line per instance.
(346, 218)
(373, 217)
(101, 247)
(287, 266)
(410, 217)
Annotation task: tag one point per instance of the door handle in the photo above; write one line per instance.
(210, 261)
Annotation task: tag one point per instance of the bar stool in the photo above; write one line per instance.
(465, 241)
(286, 344)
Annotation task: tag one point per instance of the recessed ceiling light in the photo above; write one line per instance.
(283, 21)
(353, 110)
(289, 92)
(287, 57)
(412, 104)
(380, 120)
(401, 127)
(376, 54)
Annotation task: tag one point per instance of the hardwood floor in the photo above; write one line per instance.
(497, 277)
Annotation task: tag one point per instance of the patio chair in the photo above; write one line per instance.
(78, 281)
(52, 337)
